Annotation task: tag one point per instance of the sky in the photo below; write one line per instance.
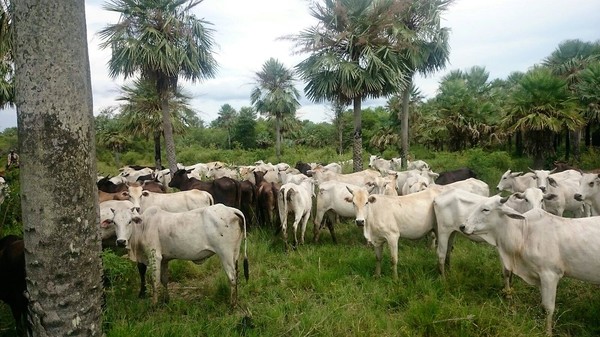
(501, 35)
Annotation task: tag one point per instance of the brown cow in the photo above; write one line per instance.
(266, 211)
(12, 282)
(224, 190)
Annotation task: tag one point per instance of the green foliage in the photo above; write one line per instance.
(11, 221)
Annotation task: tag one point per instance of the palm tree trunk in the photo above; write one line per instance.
(62, 245)
(341, 139)
(168, 132)
(577, 144)
(157, 157)
(278, 137)
(357, 144)
(404, 123)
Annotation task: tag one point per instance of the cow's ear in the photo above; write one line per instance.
(515, 216)
(518, 195)
(372, 199)
(550, 196)
(145, 193)
(125, 194)
(189, 170)
(552, 182)
(106, 223)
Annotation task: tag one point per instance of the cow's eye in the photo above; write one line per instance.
(534, 178)
(485, 210)
(591, 184)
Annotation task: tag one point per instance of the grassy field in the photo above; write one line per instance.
(329, 290)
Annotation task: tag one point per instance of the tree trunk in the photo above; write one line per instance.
(168, 131)
(404, 124)
(588, 135)
(567, 145)
(341, 139)
(58, 168)
(357, 144)
(157, 155)
(278, 137)
(576, 144)
(519, 143)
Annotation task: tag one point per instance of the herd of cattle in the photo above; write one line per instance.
(216, 204)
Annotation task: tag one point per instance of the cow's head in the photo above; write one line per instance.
(487, 215)
(360, 200)
(124, 220)
(589, 186)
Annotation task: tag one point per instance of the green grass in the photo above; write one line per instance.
(329, 290)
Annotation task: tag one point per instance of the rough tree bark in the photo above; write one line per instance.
(58, 168)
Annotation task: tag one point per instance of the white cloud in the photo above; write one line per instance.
(501, 35)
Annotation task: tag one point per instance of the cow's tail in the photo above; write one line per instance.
(246, 264)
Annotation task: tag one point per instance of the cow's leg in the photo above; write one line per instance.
(318, 221)
(155, 264)
(303, 228)
(548, 283)
(142, 271)
(297, 218)
(229, 264)
(507, 275)
(442, 251)
(378, 255)
(330, 221)
(164, 278)
(393, 244)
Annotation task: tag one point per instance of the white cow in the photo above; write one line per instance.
(417, 165)
(380, 164)
(357, 178)
(132, 175)
(516, 181)
(157, 237)
(331, 202)
(415, 183)
(387, 218)
(173, 202)
(404, 175)
(107, 214)
(539, 247)
(297, 199)
(472, 185)
(589, 191)
(454, 205)
(564, 185)
(219, 170)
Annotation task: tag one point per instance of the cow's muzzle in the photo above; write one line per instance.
(121, 242)
(578, 197)
(360, 223)
(462, 229)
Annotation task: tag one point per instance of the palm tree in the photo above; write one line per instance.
(275, 95)
(569, 58)
(588, 89)
(541, 107)
(6, 57)
(426, 50)
(352, 57)
(161, 40)
(141, 113)
(226, 119)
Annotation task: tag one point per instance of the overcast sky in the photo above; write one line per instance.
(501, 35)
